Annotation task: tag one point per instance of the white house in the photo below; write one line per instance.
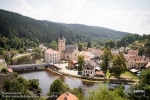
(89, 69)
(52, 56)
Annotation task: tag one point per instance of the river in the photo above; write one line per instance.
(46, 77)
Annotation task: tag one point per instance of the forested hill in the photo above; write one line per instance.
(18, 29)
(95, 31)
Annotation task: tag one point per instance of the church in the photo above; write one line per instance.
(68, 52)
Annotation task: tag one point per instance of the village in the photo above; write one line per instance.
(65, 60)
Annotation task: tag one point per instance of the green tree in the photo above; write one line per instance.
(110, 43)
(13, 53)
(56, 87)
(88, 45)
(119, 66)
(147, 50)
(81, 47)
(37, 50)
(106, 58)
(78, 93)
(16, 74)
(21, 50)
(80, 62)
(141, 51)
(34, 83)
(102, 93)
(141, 91)
(24, 82)
(53, 45)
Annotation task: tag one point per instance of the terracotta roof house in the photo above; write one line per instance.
(133, 52)
(67, 96)
(99, 74)
(136, 62)
(71, 65)
(52, 56)
(87, 55)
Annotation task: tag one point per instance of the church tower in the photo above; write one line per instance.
(61, 45)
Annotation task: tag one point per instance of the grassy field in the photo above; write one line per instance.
(127, 75)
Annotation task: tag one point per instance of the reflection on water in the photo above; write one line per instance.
(46, 77)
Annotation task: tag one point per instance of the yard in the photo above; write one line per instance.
(127, 75)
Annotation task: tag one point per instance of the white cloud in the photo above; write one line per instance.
(89, 13)
(38, 13)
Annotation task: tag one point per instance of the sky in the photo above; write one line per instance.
(123, 15)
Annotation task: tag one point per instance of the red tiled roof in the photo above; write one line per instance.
(10, 70)
(99, 73)
(51, 51)
(133, 52)
(68, 96)
(89, 49)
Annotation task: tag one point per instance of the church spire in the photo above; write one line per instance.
(61, 34)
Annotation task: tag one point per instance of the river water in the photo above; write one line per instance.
(46, 77)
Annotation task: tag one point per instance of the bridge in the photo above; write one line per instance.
(28, 66)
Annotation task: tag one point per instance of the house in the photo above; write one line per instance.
(99, 74)
(97, 59)
(98, 52)
(133, 52)
(68, 52)
(92, 50)
(52, 56)
(67, 96)
(35, 91)
(89, 69)
(122, 49)
(137, 62)
(30, 50)
(87, 55)
(2, 64)
(72, 64)
(42, 47)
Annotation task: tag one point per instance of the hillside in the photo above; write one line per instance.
(96, 31)
(18, 29)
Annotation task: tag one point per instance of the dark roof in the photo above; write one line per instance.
(90, 65)
(61, 34)
(70, 48)
(35, 91)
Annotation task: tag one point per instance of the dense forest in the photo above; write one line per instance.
(17, 31)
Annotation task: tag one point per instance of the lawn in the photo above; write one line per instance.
(127, 75)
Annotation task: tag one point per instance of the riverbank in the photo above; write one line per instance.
(96, 79)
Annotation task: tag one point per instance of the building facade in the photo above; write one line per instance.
(68, 52)
(52, 56)
(89, 69)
